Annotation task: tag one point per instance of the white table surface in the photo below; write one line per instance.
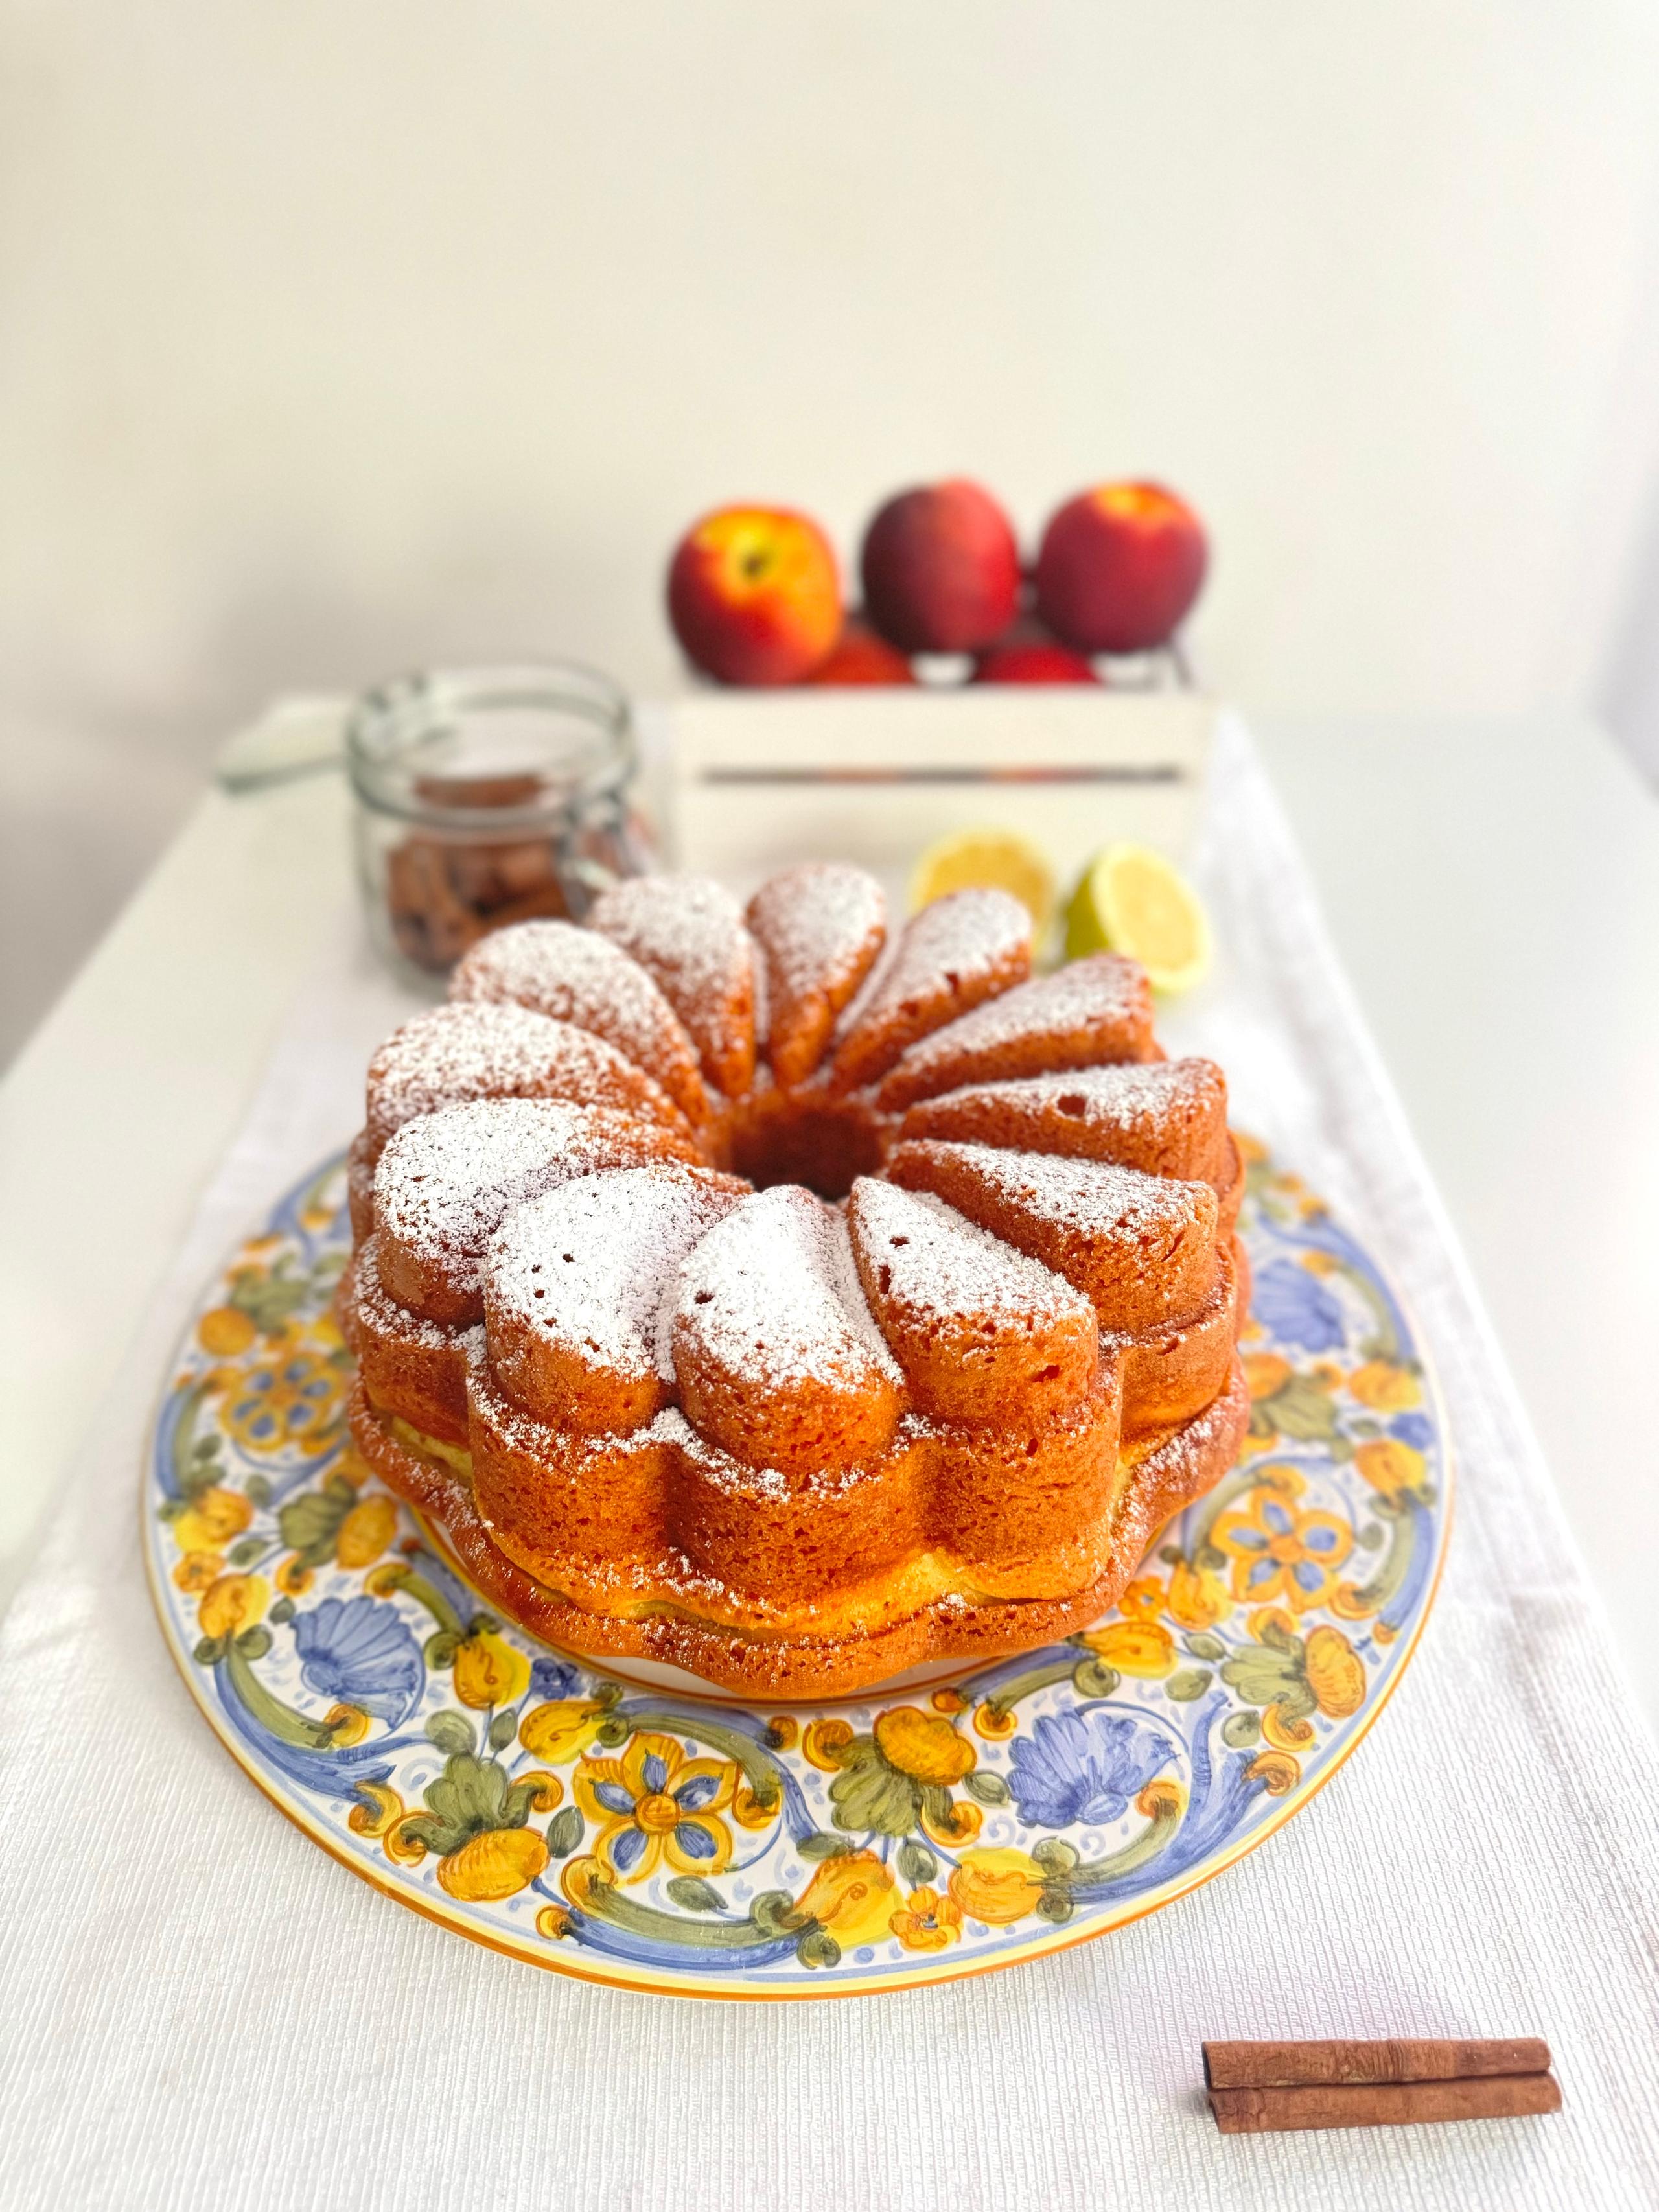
(1494, 895)
(1493, 892)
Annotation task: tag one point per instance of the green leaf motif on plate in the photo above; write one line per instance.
(695, 1894)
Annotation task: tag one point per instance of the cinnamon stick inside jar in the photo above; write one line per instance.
(487, 796)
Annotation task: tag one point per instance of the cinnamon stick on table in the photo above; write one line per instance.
(1257, 2088)
(1416, 2058)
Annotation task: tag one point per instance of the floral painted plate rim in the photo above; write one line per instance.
(547, 1809)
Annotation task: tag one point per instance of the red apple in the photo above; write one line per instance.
(940, 568)
(861, 657)
(1119, 567)
(1033, 663)
(753, 595)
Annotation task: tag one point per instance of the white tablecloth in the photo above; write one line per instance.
(201, 2009)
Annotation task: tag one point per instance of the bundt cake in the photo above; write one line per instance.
(751, 1292)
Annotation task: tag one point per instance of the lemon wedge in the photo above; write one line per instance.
(1133, 899)
(987, 859)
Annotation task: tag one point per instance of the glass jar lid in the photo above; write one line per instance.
(510, 746)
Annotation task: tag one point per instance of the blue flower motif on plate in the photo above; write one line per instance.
(357, 1650)
(1414, 1429)
(1295, 1307)
(553, 1678)
(1081, 1769)
(631, 1832)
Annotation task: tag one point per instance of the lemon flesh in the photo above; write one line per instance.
(1131, 900)
(987, 859)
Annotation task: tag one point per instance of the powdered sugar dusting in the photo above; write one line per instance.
(954, 953)
(940, 1261)
(1171, 1112)
(616, 1279)
(589, 1264)
(1092, 1198)
(577, 976)
(444, 1182)
(815, 921)
(688, 933)
(747, 1478)
(771, 1293)
(1125, 1092)
(528, 1432)
(819, 927)
(1098, 1009)
(387, 1316)
(451, 1054)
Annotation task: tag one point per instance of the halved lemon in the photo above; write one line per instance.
(987, 859)
(1133, 899)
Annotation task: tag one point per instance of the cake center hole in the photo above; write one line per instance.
(821, 1143)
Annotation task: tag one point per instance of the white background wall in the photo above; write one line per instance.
(337, 337)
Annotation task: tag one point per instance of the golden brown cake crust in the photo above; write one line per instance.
(1159, 1483)
(819, 929)
(795, 1446)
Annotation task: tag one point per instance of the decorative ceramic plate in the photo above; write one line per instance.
(665, 1841)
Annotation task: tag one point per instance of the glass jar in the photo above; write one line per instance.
(486, 796)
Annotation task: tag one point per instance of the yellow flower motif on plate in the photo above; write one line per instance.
(1265, 1372)
(933, 1885)
(926, 1921)
(1198, 1596)
(367, 1530)
(957, 1823)
(232, 1603)
(853, 1898)
(1336, 1672)
(1142, 1647)
(562, 1729)
(1391, 1466)
(211, 1520)
(924, 1746)
(377, 1811)
(226, 1332)
(489, 1670)
(1144, 1600)
(823, 1741)
(749, 1811)
(197, 1569)
(1386, 1388)
(1278, 1550)
(996, 1724)
(494, 1865)
(655, 1803)
(1277, 1769)
(290, 1399)
(1285, 1731)
(996, 1886)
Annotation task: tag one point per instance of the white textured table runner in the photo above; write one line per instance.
(201, 2009)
